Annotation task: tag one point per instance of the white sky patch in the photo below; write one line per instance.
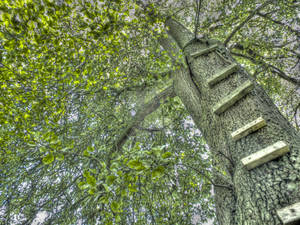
(40, 218)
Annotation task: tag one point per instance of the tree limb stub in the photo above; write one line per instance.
(172, 48)
(179, 32)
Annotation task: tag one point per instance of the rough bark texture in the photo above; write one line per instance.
(256, 193)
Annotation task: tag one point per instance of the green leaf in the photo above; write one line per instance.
(92, 191)
(91, 180)
(123, 193)
(89, 149)
(136, 164)
(60, 157)
(106, 187)
(114, 206)
(82, 185)
(132, 188)
(166, 155)
(158, 172)
(118, 218)
(86, 173)
(110, 179)
(86, 153)
(48, 159)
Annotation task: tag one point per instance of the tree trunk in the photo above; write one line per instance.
(255, 194)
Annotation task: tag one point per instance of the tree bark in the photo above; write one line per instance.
(258, 193)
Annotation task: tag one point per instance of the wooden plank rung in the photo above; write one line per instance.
(204, 51)
(232, 98)
(290, 215)
(222, 74)
(248, 128)
(265, 155)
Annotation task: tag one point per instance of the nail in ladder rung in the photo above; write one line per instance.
(222, 74)
(265, 155)
(204, 51)
(248, 128)
(232, 98)
(290, 215)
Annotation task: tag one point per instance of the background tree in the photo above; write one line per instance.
(85, 137)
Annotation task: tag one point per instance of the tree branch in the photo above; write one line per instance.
(144, 111)
(228, 186)
(295, 116)
(274, 69)
(172, 48)
(149, 129)
(279, 23)
(179, 32)
(254, 12)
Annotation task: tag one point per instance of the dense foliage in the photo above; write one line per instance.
(75, 75)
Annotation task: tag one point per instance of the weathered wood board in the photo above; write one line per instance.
(248, 128)
(204, 51)
(265, 155)
(290, 215)
(232, 98)
(221, 75)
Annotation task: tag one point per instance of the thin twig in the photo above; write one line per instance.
(295, 116)
(208, 178)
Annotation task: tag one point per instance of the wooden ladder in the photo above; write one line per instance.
(290, 214)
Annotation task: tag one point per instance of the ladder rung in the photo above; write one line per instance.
(290, 214)
(232, 98)
(265, 155)
(204, 51)
(222, 74)
(248, 128)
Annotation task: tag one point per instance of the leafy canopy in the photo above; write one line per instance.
(75, 74)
